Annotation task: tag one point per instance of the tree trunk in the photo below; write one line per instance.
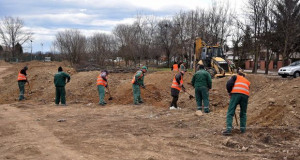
(267, 62)
(168, 56)
(254, 70)
(284, 56)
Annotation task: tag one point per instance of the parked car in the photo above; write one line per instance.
(291, 70)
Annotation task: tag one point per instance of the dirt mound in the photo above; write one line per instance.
(31, 130)
(40, 76)
(273, 100)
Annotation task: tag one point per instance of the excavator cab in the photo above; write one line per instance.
(213, 59)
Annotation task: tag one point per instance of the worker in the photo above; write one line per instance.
(60, 83)
(101, 85)
(175, 67)
(137, 82)
(238, 88)
(177, 84)
(22, 79)
(202, 83)
(182, 66)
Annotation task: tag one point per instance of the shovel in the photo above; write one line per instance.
(236, 121)
(154, 94)
(29, 88)
(190, 96)
(110, 97)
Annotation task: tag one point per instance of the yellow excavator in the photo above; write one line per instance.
(213, 59)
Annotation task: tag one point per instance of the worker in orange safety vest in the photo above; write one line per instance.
(101, 85)
(238, 88)
(137, 82)
(177, 85)
(22, 79)
(175, 67)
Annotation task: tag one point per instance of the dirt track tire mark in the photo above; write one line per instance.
(28, 139)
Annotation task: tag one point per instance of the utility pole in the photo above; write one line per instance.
(31, 49)
(42, 47)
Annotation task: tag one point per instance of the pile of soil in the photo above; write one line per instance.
(273, 100)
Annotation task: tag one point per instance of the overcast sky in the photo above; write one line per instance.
(46, 17)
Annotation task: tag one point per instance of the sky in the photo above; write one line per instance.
(47, 17)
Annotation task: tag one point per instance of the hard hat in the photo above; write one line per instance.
(200, 62)
(145, 68)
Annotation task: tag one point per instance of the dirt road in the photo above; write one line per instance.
(29, 131)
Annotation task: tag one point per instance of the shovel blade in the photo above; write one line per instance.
(191, 97)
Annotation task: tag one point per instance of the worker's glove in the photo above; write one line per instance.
(143, 86)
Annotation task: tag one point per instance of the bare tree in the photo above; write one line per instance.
(72, 44)
(256, 19)
(166, 37)
(12, 32)
(126, 37)
(267, 38)
(237, 41)
(100, 47)
(181, 21)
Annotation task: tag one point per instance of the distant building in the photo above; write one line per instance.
(275, 62)
(47, 59)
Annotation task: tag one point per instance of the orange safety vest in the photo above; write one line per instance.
(241, 85)
(133, 79)
(175, 84)
(175, 67)
(21, 77)
(101, 81)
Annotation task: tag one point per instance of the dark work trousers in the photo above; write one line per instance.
(175, 95)
(60, 95)
(22, 90)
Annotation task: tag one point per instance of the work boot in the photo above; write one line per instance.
(199, 108)
(136, 103)
(206, 110)
(173, 108)
(243, 131)
(227, 133)
(141, 102)
(64, 105)
(102, 104)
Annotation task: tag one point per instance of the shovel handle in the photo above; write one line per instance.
(236, 121)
